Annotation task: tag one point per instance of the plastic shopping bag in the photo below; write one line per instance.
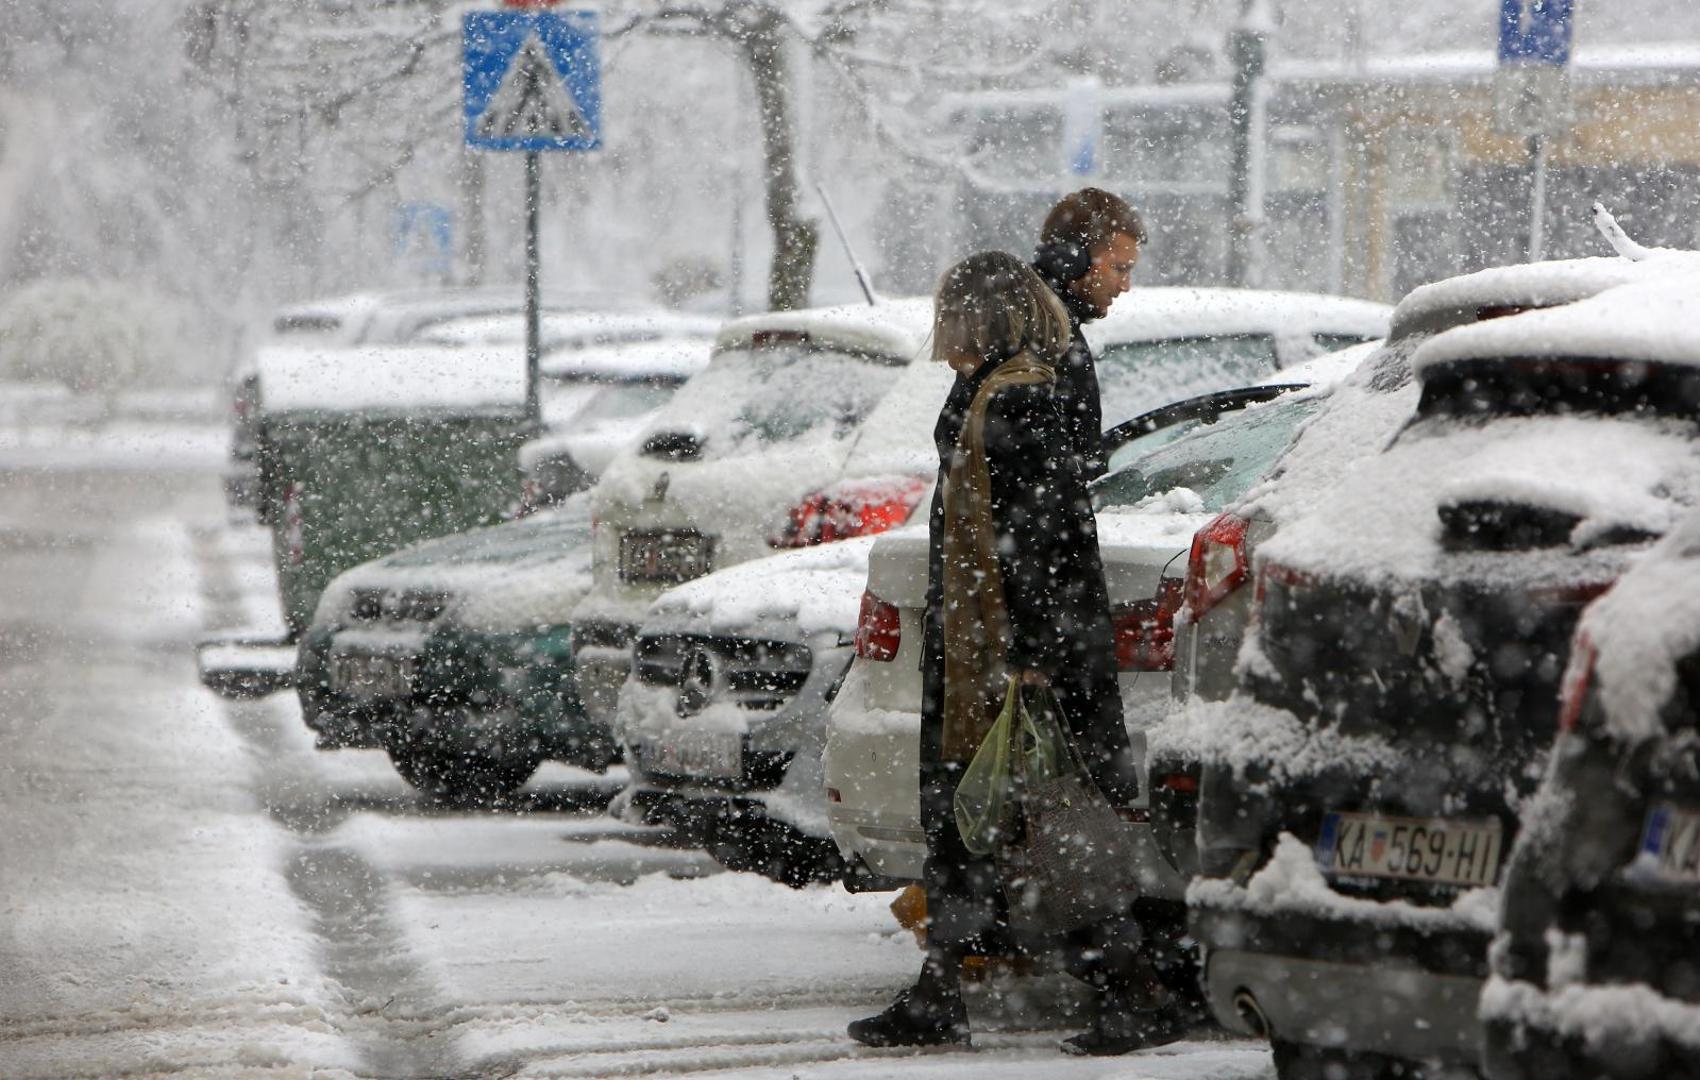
(1025, 745)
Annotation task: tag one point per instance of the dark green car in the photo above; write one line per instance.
(456, 657)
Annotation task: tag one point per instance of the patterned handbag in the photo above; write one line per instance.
(1073, 861)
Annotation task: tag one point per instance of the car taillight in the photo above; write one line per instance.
(851, 509)
(1574, 689)
(1217, 564)
(1180, 783)
(1145, 630)
(878, 630)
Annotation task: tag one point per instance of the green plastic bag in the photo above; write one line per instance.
(1025, 744)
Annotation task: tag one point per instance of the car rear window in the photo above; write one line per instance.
(1136, 377)
(1219, 462)
(1544, 387)
(761, 395)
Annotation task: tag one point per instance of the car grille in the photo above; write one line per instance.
(397, 606)
(759, 675)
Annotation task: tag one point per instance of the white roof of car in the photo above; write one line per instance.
(898, 328)
(1650, 320)
(666, 358)
(389, 378)
(1438, 305)
(560, 329)
(1150, 314)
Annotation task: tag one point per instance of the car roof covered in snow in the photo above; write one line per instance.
(391, 379)
(896, 328)
(1651, 320)
(1166, 311)
(671, 359)
(566, 329)
(1444, 304)
(1641, 629)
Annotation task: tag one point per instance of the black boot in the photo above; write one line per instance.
(930, 1013)
(1121, 1027)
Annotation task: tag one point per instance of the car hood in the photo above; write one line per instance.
(790, 595)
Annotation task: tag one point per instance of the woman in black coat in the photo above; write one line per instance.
(993, 314)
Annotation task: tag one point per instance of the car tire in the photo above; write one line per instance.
(434, 754)
(754, 845)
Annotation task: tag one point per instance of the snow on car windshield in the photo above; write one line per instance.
(625, 400)
(776, 393)
(1136, 377)
(1217, 462)
(559, 532)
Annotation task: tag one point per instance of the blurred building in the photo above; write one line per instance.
(1379, 175)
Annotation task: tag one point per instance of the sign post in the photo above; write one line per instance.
(1532, 90)
(532, 82)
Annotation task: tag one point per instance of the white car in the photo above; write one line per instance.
(1156, 346)
(1163, 485)
(623, 386)
(771, 419)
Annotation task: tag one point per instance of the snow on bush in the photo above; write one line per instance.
(92, 336)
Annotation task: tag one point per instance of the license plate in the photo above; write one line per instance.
(671, 556)
(1442, 851)
(369, 677)
(1670, 843)
(701, 753)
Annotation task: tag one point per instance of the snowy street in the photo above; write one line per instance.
(189, 888)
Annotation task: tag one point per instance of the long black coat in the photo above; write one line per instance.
(1053, 574)
(1078, 397)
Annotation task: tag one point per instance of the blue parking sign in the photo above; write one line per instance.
(1535, 32)
(532, 80)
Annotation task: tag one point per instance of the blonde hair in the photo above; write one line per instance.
(991, 306)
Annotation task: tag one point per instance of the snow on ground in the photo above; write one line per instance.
(148, 926)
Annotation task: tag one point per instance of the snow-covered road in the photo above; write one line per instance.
(188, 888)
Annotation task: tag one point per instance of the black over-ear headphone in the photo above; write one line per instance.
(1062, 260)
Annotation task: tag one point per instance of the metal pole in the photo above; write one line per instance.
(533, 266)
(1246, 53)
(1538, 198)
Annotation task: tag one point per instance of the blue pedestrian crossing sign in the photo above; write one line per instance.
(532, 80)
(1535, 32)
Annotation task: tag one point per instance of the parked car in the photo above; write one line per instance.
(1396, 688)
(456, 657)
(771, 419)
(1157, 345)
(1596, 967)
(626, 385)
(1364, 414)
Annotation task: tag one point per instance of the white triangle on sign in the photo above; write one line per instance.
(531, 103)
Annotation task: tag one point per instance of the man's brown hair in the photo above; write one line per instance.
(1089, 217)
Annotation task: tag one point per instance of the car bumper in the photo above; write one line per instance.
(1588, 1032)
(1333, 982)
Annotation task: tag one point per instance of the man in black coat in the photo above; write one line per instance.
(1088, 248)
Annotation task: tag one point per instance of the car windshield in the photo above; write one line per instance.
(1544, 387)
(622, 401)
(559, 532)
(1219, 462)
(1136, 377)
(752, 397)
(1335, 342)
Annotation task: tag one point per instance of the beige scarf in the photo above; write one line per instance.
(976, 620)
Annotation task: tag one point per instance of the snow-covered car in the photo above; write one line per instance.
(1156, 346)
(770, 419)
(627, 385)
(1180, 465)
(456, 657)
(1363, 416)
(1596, 968)
(1397, 685)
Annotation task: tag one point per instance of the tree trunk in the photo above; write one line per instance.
(794, 237)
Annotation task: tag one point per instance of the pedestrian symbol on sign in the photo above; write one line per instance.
(531, 102)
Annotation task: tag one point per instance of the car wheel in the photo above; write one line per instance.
(774, 851)
(436, 756)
